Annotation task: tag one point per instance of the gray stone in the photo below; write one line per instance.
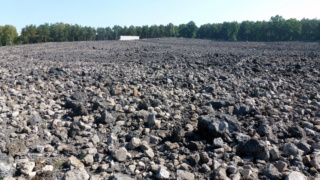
(316, 161)
(255, 148)
(134, 143)
(162, 173)
(153, 122)
(194, 159)
(88, 160)
(304, 146)
(119, 176)
(291, 149)
(177, 134)
(242, 138)
(7, 170)
(95, 139)
(184, 175)
(40, 149)
(76, 174)
(246, 173)
(221, 174)
(274, 153)
(281, 166)
(34, 120)
(73, 161)
(120, 154)
(232, 169)
(294, 175)
(211, 126)
(271, 172)
(27, 167)
(149, 152)
(107, 118)
(241, 110)
(297, 131)
(205, 168)
(204, 157)
(218, 142)
(221, 102)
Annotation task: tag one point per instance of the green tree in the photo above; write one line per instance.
(1, 35)
(229, 31)
(132, 31)
(183, 30)
(276, 26)
(292, 30)
(43, 32)
(29, 34)
(162, 31)
(8, 35)
(309, 29)
(108, 35)
(101, 33)
(75, 32)
(206, 31)
(116, 32)
(67, 32)
(188, 30)
(154, 31)
(138, 30)
(246, 30)
(145, 32)
(170, 30)
(192, 29)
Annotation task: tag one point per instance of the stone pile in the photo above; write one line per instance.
(160, 109)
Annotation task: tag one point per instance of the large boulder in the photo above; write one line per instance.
(221, 102)
(76, 102)
(217, 125)
(255, 148)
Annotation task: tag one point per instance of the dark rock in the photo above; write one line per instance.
(34, 120)
(221, 102)
(143, 106)
(271, 172)
(107, 118)
(264, 130)
(297, 131)
(194, 159)
(211, 126)
(79, 110)
(177, 134)
(56, 71)
(255, 148)
(303, 145)
(196, 145)
(78, 96)
(291, 149)
(218, 142)
(241, 110)
(155, 103)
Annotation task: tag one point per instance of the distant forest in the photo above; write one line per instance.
(276, 29)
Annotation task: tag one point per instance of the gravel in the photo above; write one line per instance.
(160, 109)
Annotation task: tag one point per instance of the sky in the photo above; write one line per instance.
(107, 13)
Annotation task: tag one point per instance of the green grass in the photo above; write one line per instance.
(57, 164)
(81, 156)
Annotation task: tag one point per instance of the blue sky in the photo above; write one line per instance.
(103, 13)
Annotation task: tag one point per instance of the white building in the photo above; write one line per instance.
(123, 38)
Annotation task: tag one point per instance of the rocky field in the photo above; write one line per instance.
(160, 109)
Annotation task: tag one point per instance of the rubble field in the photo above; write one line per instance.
(164, 108)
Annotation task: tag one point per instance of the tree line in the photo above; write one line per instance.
(276, 29)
